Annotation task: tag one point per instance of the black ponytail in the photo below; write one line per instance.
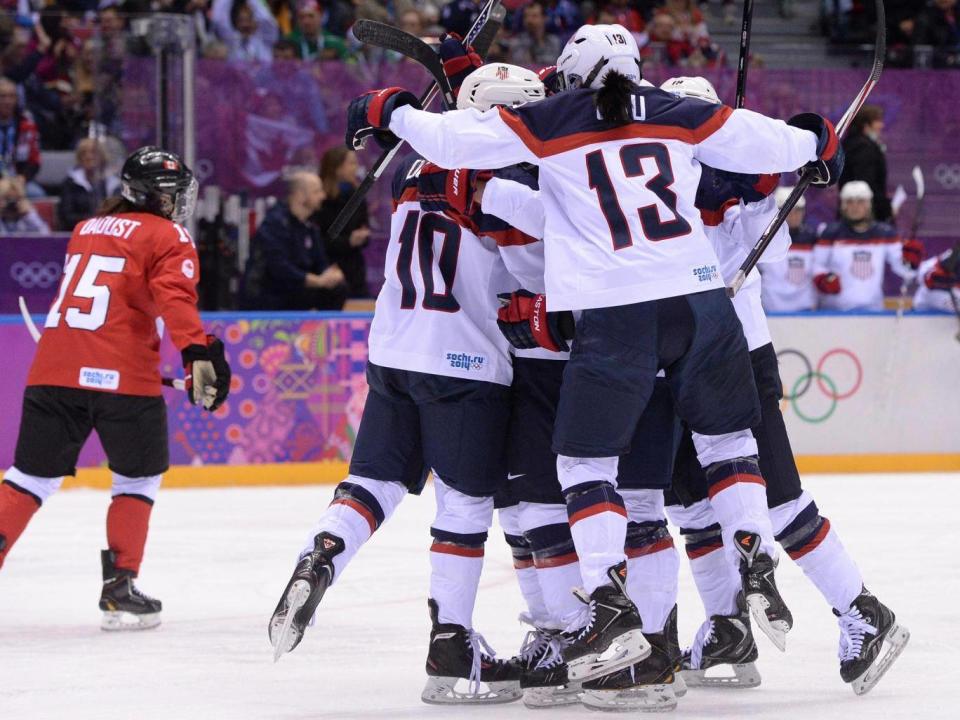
(614, 98)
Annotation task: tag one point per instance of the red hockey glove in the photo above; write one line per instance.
(912, 253)
(370, 114)
(941, 278)
(450, 191)
(524, 321)
(827, 167)
(827, 283)
(458, 61)
(206, 373)
(550, 79)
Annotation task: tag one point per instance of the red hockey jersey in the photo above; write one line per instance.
(121, 273)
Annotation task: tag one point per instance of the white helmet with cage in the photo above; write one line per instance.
(500, 84)
(595, 50)
(692, 87)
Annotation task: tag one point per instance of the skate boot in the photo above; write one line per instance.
(723, 640)
(459, 672)
(303, 593)
(870, 641)
(647, 686)
(676, 654)
(612, 638)
(767, 608)
(124, 606)
(544, 681)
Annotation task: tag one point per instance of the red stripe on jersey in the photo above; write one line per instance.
(450, 549)
(545, 148)
(855, 241)
(703, 550)
(713, 218)
(719, 487)
(662, 544)
(813, 543)
(596, 510)
(557, 561)
(408, 195)
(509, 237)
(359, 508)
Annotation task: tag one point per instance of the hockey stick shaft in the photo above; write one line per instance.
(490, 15)
(879, 53)
(34, 331)
(744, 52)
(917, 174)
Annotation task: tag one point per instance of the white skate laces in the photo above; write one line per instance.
(704, 635)
(853, 628)
(479, 647)
(582, 623)
(536, 642)
(553, 653)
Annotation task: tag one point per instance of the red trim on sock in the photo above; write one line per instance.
(662, 544)
(722, 485)
(360, 508)
(814, 542)
(596, 510)
(558, 561)
(128, 521)
(450, 549)
(16, 509)
(521, 564)
(704, 550)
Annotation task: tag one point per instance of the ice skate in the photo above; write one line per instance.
(124, 606)
(463, 670)
(870, 641)
(767, 608)
(303, 593)
(544, 682)
(723, 640)
(612, 638)
(676, 654)
(647, 686)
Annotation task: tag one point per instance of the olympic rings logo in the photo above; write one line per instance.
(948, 175)
(35, 274)
(843, 364)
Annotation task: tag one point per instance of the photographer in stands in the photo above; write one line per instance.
(17, 215)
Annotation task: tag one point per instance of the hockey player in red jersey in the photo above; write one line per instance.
(96, 368)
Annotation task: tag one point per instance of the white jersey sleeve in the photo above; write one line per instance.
(749, 142)
(517, 204)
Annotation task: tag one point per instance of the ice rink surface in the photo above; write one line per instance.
(218, 559)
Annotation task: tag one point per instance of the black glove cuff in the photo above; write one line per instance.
(192, 353)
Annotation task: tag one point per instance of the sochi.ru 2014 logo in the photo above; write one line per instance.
(815, 392)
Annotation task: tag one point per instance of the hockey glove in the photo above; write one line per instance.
(370, 114)
(826, 169)
(449, 191)
(524, 321)
(458, 61)
(912, 253)
(550, 79)
(941, 278)
(827, 283)
(206, 373)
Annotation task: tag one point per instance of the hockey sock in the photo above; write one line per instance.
(524, 567)
(128, 520)
(554, 555)
(17, 506)
(738, 496)
(811, 542)
(598, 520)
(360, 506)
(456, 556)
(653, 565)
(717, 582)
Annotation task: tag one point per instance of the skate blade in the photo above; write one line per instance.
(627, 649)
(776, 630)
(744, 676)
(545, 697)
(119, 621)
(457, 691)
(288, 637)
(642, 698)
(679, 685)
(893, 644)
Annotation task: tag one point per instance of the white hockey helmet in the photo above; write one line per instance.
(856, 190)
(692, 87)
(781, 195)
(500, 84)
(595, 50)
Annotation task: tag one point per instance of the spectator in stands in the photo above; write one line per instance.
(459, 15)
(288, 268)
(248, 29)
(534, 46)
(938, 25)
(681, 27)
(338, 171)
(19, 140)
(288, 78)
(283, 13)
(623, 12)
(411, 21)
(87, 185)
(17, 215)
(312, 41)
(867, 158)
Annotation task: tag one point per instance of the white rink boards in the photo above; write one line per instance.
(219, 559)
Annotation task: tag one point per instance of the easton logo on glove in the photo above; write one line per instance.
(524, 321)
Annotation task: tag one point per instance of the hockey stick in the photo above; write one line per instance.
(744, 52)
(481, 36)
(879, 53)
(34, 331)
(393, 38)
(914, 227)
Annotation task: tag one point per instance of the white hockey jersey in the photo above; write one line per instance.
(788, 282)
(927, 299)
(619, 200)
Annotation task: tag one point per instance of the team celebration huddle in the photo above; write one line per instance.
(569, 337)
